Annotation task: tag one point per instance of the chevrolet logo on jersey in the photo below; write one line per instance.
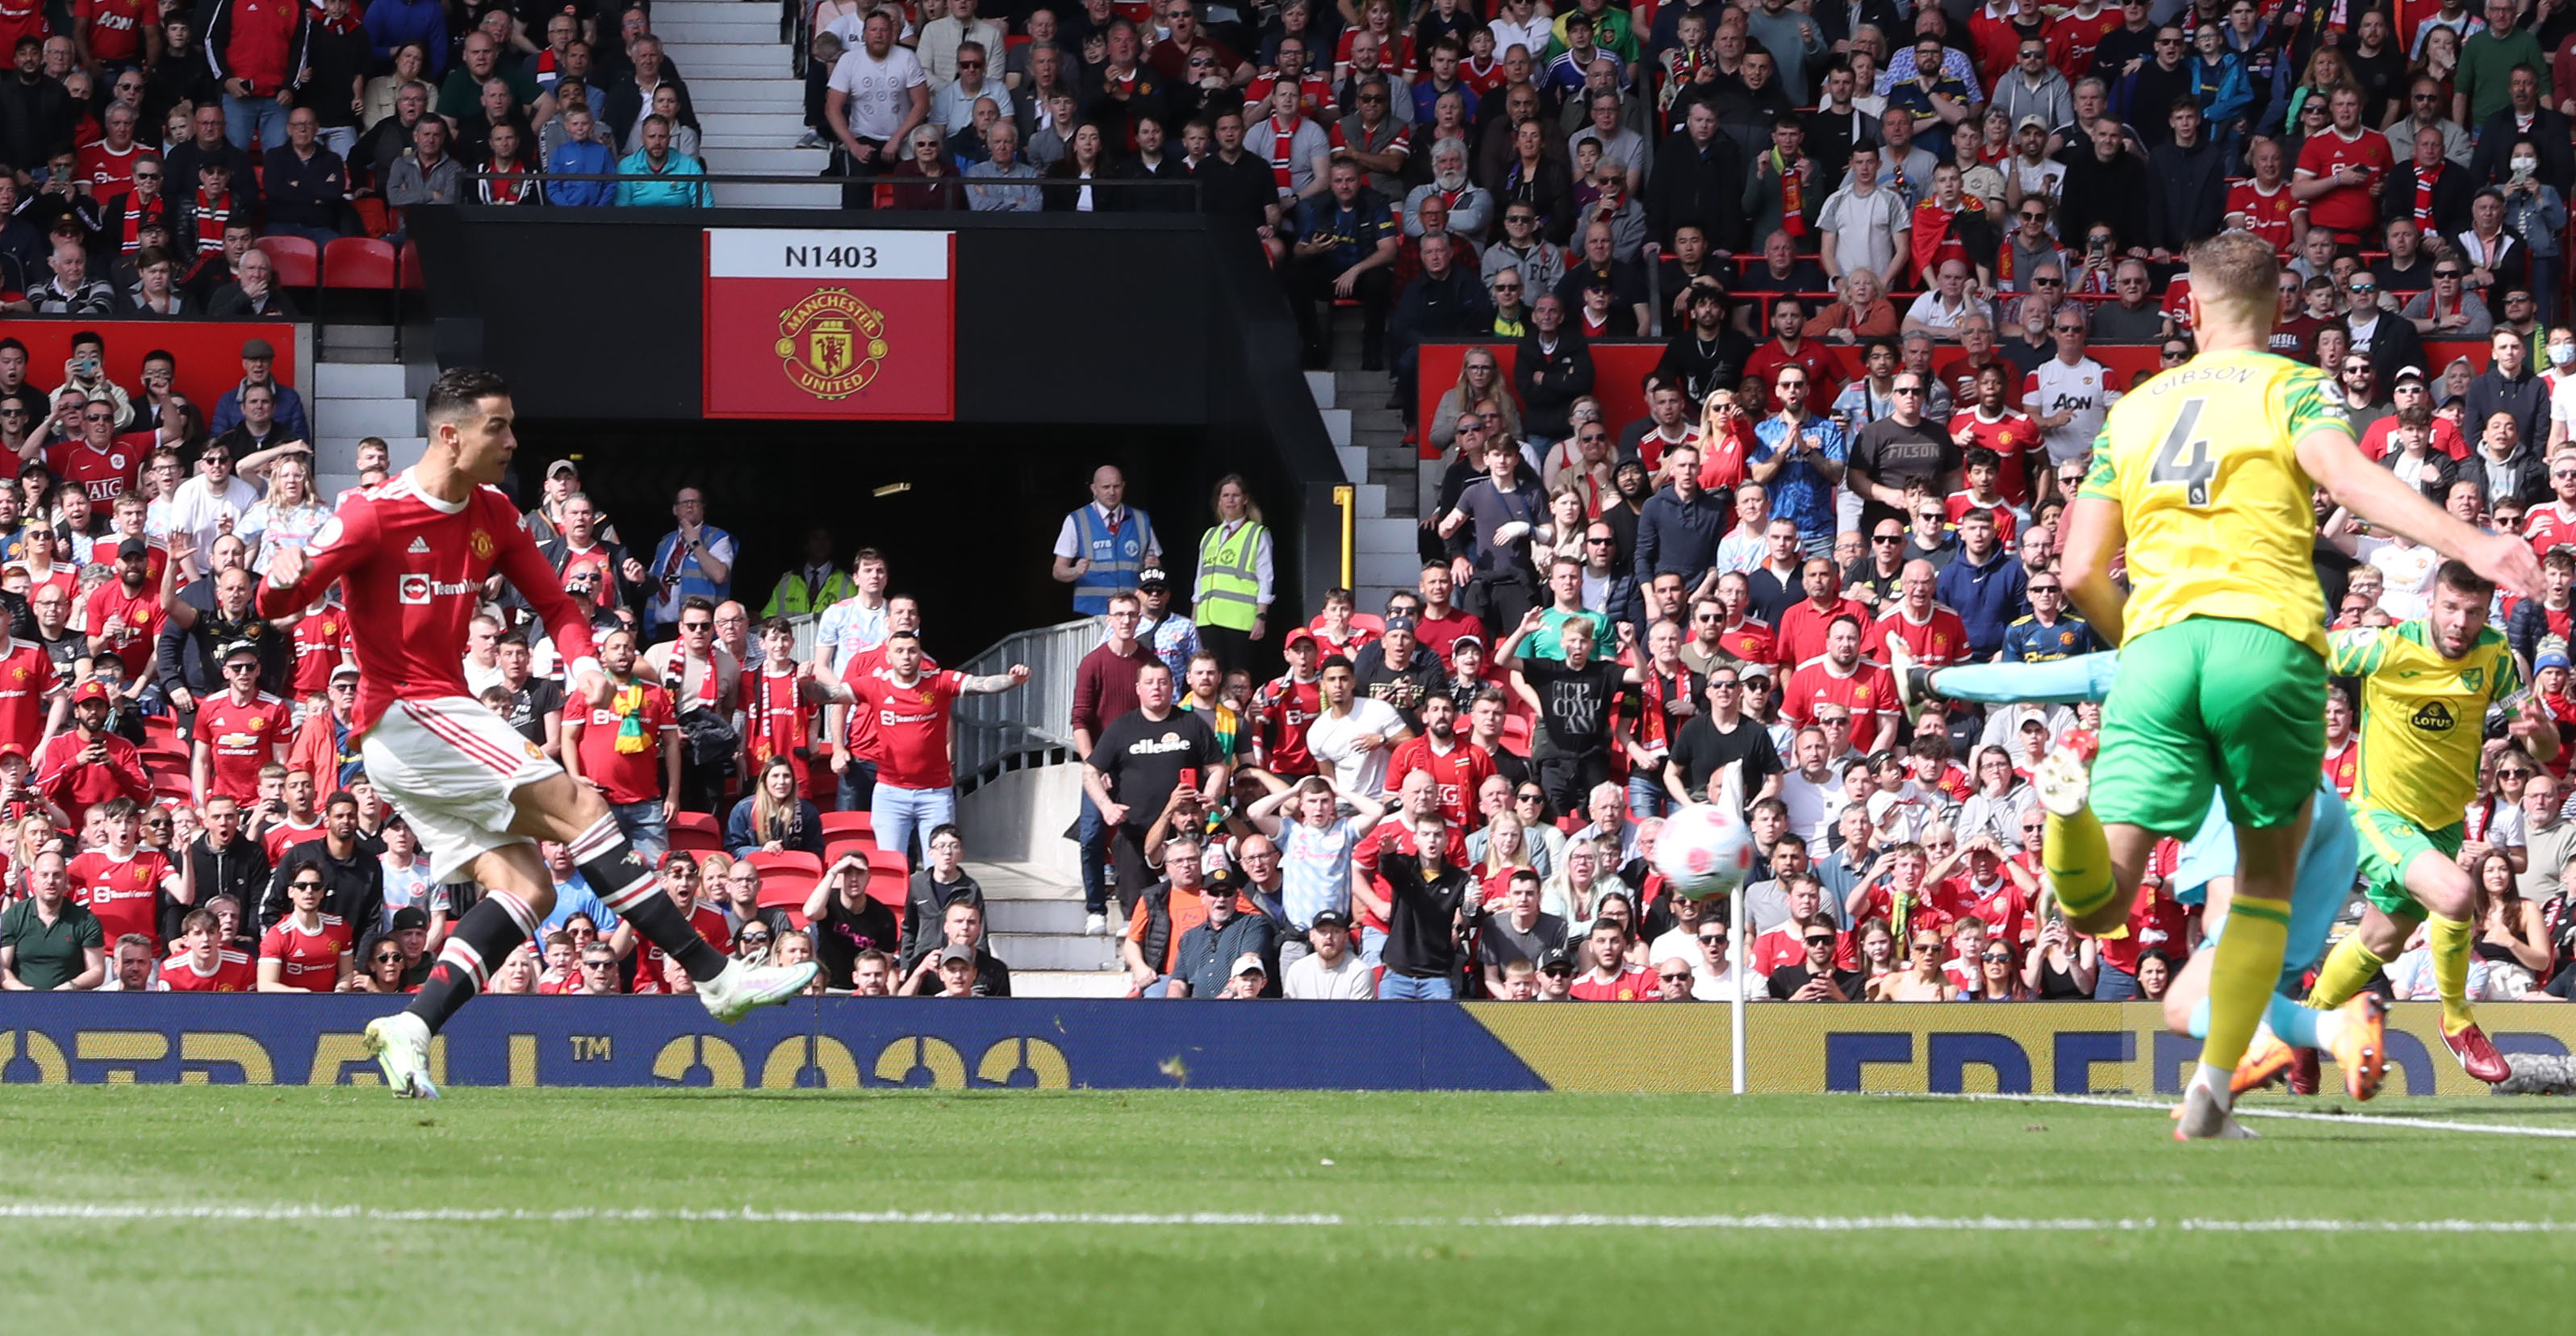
(2435, 717)
(239, 739)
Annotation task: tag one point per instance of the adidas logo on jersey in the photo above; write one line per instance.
(419, 547)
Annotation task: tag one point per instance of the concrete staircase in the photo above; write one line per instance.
(354, 399)
(750, 103)
(1369, 438)
(1035, 927)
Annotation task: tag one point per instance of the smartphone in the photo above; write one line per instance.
(1189, 777)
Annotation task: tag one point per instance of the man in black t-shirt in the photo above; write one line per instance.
(1574, 700)
(1903, 447)
(1423, 921)
(1396, 669)
(1141, 757)
(1709, 741)
(1815, 979)
(536, 703)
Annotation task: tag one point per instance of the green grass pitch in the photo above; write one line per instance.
(353, 1212)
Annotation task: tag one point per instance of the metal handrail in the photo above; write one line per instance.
(1035, 717)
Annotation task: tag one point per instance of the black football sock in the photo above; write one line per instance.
(633, 892)
(481, 941)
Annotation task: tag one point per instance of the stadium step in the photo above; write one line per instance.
(1320, 384)
(1068, 983)
(1054, 951)
(749, 99)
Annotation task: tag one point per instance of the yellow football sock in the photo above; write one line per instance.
(2241, 977)
(2449, 942)
(2078, 858)
(2347, 971)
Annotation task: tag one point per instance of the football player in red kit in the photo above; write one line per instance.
(412, 556)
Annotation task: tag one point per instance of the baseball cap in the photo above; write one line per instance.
(91, 690)
(236, 649)
(1556, 958)
(955, 954)
(1404, 624)
(1247, 963)
(132, 547)
(257, 348)
(1470, 639)
(562, 466)
(1326, 918)
(2027, 122)
(344, 670)
(1300, 633)
(410, 916)
(2407, 373)
(1152, 575)
(13, 749)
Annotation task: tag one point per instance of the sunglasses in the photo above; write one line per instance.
(1919, 946)
(1997, 957)
(308, 885)
(1530, 797)
(755, 937)
(2044, 589)
(1820, 941)
(2515, 774)
(389, 958)
(1728, 684)
(696, 626)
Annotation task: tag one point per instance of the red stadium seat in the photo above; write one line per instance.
(786, 860)
(848, 823)
(859, 848)
(705, 821)
(297, 259)
(787, 888)
(407, 266)
(890, 861)
(359, 263)
(889, 890)
(691, 840)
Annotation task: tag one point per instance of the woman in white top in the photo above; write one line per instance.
(1996, 808)
(684, 141)
(287, 517)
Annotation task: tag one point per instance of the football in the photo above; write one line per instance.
(1704, 851)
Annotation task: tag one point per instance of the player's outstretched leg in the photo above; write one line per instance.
(729, 989)
(482, 940)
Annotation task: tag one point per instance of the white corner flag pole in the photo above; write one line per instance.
(1731, 793)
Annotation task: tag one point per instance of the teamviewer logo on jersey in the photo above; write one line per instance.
(417, 588)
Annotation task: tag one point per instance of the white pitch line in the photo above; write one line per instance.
(1898, 1223)
(2299, 1115)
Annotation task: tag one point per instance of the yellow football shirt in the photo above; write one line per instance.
(2202, 462)
(2423, 717)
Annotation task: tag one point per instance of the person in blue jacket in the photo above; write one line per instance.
(581, 155)
(1984, 584)
(775, 817)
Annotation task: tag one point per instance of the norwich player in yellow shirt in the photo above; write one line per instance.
(2205, 475)
(2425, 688)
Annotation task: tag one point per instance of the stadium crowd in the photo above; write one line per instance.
(1879, 244)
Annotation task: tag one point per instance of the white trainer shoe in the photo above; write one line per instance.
(1095, 925)
(742, 989)
(400, 1043)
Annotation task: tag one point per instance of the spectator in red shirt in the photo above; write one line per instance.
(1612, 978)
(1803, 626)
(1104, 687)
(239, 731)
(90, 765)
(629, 749)
(257, 48)
(206, 963)
(307, 951)
(125, 616)
(1459, 767)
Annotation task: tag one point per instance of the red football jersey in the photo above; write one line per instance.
(1958, 504)
(2266, 216)
(114, 28)
(411, 568)
(104, 474)
(1802, 627)
(1936, 642)
(628, 777)
(129, 622)
(26, 675)
(2071, 37)
(2003, 907)
(2350, 209)
(321, 641)
(1923, 910)
(710, 925)
(1868, 693)
(1636, 983)
(862, 724)
(125, 893)
(1459, 774)
(110, 174)
(310, 960)
(1751, 640)
(2015, 439)
(102, 550)
(1439, 633)
(2549, 524)
(1282, 712)
(243, 736)
(234, 972)
(2342, 766)
(911, 725)
(285, 835)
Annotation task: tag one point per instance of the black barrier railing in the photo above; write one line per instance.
(1167, 196)
(796, 29)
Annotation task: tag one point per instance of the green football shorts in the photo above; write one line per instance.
(2211, 701)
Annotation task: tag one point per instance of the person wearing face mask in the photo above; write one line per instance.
(2534, 212)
